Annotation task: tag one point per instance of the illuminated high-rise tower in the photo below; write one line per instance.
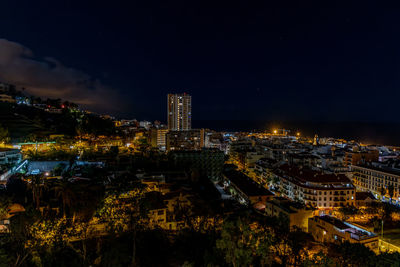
(179, 112)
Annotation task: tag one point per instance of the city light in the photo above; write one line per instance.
(103, 162)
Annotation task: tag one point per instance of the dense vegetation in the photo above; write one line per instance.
(104, 222)
(30, 123)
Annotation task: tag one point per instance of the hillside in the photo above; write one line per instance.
(20, 123)
(23, 121)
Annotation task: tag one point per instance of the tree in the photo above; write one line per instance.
(20, 233)
(352, 254)
(4, 205)
(382, 191)
(36, 186)
(64, 190)
(4, 135)
(298, 242)
(123, 212)
(319, 259)
(387, 259)
(347, 211)
(4, 258)
(263, 248)
(237, 243)
(391, 191)
(83, 231)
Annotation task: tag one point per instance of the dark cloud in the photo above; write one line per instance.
(47, 77)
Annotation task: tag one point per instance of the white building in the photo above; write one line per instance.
(318, 189)
(377, 178)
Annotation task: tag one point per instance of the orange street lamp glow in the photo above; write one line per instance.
(275, 131)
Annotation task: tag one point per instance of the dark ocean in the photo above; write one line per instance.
(382, 133)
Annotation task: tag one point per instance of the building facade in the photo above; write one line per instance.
(315, 188)
(158, 138)
(244, 189)
(185, 140)
(379, 180)
(209, 162)
(358, 157)
(179, 112)
(297, 213)
(6, 98)
(331, 230)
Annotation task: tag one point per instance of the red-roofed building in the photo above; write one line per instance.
(315, 188)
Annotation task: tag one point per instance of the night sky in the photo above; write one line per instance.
(298, 61)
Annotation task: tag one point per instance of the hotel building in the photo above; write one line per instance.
(315, 188)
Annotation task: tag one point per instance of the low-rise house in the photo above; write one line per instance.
(297, 213)
(328, 229)
(157, 209)
(176, 202)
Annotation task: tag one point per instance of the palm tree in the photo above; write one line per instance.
(4, 204)
(36, 186)
(391, 191)
(382, 191)
(64, 190)
(4, 135)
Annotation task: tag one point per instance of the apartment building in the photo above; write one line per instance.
(315, 188)
(179, 112)
(357, 157)
(380, 179)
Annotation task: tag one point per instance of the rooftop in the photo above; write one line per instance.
(245, 184)
(308, 175)
(336, 222)
(304, 156)
(364, 195)
(287, 205)
(381, 168)
(355, 232)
